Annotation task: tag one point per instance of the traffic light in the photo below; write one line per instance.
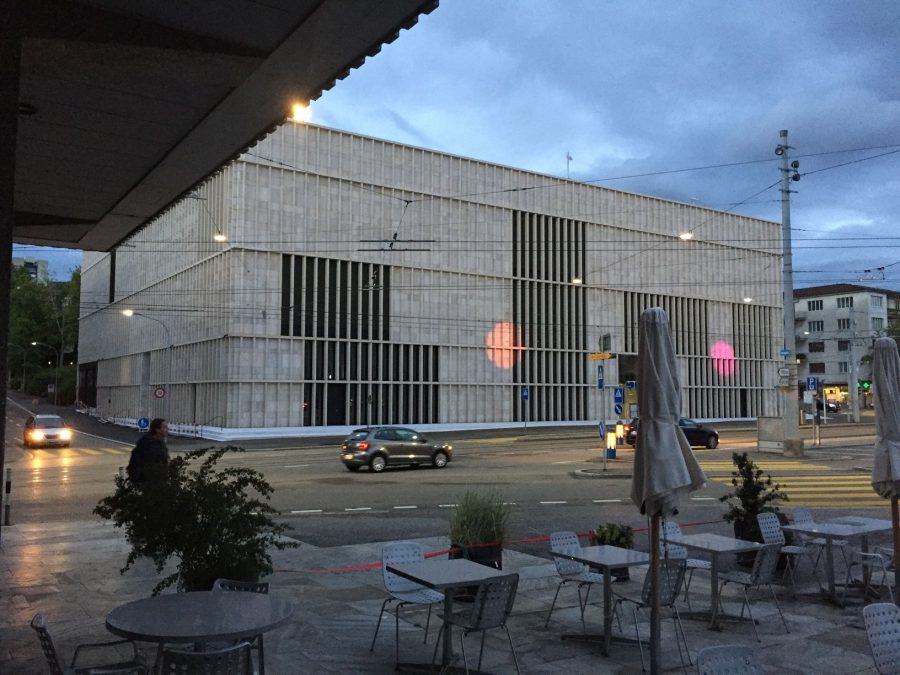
(865, 385)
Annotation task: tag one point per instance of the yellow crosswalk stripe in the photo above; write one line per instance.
(89, 451)
(114, 451)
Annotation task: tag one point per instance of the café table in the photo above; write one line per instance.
(840, 528)
(444, 575)
(715, 545)
(199, 617)
(604, 559)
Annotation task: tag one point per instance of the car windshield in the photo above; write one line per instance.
(48, 422)
(358, 435)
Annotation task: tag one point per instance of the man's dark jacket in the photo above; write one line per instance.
(149, 460)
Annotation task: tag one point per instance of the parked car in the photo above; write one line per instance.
(696, 433)
(45, 430)
(829, 406)
(380, 447)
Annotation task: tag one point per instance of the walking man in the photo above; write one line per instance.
(150, 457)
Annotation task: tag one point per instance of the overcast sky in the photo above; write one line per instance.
(635, 87)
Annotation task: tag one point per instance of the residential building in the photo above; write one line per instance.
(327, 279)
(38, 269)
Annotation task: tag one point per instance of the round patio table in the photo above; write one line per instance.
(204, 616)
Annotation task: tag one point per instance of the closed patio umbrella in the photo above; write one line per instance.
(665, 468)
(886, 467)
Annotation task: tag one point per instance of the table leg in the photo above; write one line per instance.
(714, 590)
(829, 567)
(607, 610)
(447, 652)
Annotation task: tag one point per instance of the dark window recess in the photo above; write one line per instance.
(320, 360)
(285, 295)
(320, 297)
(396, 362)
(307, 400)
(112, 277)
(87, 383)
(817, 367)
(343, 296)
(309, 298)
(332, 298)
(366, 300)
(354, 300)
(330, 371)
(815, 347)
(843, 346)
(386, 314)
(376, 361)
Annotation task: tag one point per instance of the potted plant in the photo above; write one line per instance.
(614, 534)
(215, 522)
(478, 531)
(753, 494)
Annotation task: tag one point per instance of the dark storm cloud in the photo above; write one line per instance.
(637, 87)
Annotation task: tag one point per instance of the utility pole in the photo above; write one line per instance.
(853, 382)
(790, 409)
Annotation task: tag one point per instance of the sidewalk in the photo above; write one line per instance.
(70, 573)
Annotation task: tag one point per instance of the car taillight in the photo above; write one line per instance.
(362, 446)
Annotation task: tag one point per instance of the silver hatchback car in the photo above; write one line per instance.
(380, 447)
(44, 430)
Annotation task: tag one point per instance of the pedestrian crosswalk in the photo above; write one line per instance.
(57, 453)
(806, 484)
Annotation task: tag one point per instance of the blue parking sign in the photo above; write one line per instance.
(811, 384)
(524, 393)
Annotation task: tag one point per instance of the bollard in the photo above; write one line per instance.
(8, 491)
(122, 472)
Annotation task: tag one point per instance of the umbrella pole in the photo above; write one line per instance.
(654, 595)
(895, 519)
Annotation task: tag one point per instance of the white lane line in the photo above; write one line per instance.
(703, 499)
(406, 507)
(308, 511)
(446, 506)
(360, 508)
(606, 501)
(557, 502)
(573, 461)
(510, 503)
(294, 466)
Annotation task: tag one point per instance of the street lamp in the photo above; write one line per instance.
(130, 313)
(35, 343)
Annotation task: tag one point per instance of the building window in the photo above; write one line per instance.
(876, 301)
(817, 367)
(843, 324)
(844, 367)
(816, 346)
(877, 323)
(816, 326)
(813, 305)
(843, 345)
(845, 302)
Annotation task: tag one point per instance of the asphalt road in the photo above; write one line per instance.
(535, 472)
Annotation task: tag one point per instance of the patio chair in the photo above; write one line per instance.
(878, 560)
(883, 629)
(234, 660)
(491, 608)
(678, 552)
(671, 577)
(136, 665)
(762, 574)
(402, 590)
(231, 585)
(566, 541)
(728, 660)
(801, 515)
(770, 527)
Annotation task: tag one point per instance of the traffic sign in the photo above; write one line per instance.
(619, 395)
(618, 408)
(143, 424)
(785, 352)
(784, 372)
(159, 392)
(599, 356)
(811, 383)
(599, 376)
(630, 384)
(524, 393)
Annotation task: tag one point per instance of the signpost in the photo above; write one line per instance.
(525, 398)
(599, 356)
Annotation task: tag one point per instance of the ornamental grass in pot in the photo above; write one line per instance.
(478, 530)
(615, 534)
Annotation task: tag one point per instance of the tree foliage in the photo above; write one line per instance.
(215, 522)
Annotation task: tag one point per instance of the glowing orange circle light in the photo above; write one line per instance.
(504, 344)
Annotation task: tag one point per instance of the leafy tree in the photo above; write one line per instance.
(752, 495)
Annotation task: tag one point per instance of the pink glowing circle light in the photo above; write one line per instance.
(723, 358)
(504, 344)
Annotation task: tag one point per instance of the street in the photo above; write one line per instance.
(536, 471)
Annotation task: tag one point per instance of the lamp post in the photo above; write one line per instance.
(35, 343)
(129, 313)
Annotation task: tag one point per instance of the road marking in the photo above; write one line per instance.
(359, 508)
(446, 506)
(703, 499)
(510, 503)
(113, 451)
(556, 502)
(574, 461)
(406, 507)
(307, 511)
(104, 438)
(295, 466)
(606, 501)
(89, 451)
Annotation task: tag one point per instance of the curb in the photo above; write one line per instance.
(593, 473)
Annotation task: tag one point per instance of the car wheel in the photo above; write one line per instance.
(712, 442)
(439, 460)
(351, 468)
(377, 463)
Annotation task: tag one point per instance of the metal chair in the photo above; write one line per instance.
(402, 590)
(801, 515)
(883, 630)
(671, 577)
(566, 541)
(491, 608)
(231, 585)
(677, 552)
(728, 660)
(135, 665)
(235, 660)
(762, 574)
(770, 527)
(877, 561)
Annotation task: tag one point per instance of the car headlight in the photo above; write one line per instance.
(37, 435)
(66, 434)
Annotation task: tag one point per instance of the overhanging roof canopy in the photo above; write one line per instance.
(127, 104)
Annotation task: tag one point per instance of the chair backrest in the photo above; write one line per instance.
(673, 551)
(493, 602)
(396, 553)
(883, 628)
(671, 576)
(230, 661)
(802, 515)
(566, 541)
(241, 586)
(764, 565)
(727, 660)
(39, 623)
(770, 527)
